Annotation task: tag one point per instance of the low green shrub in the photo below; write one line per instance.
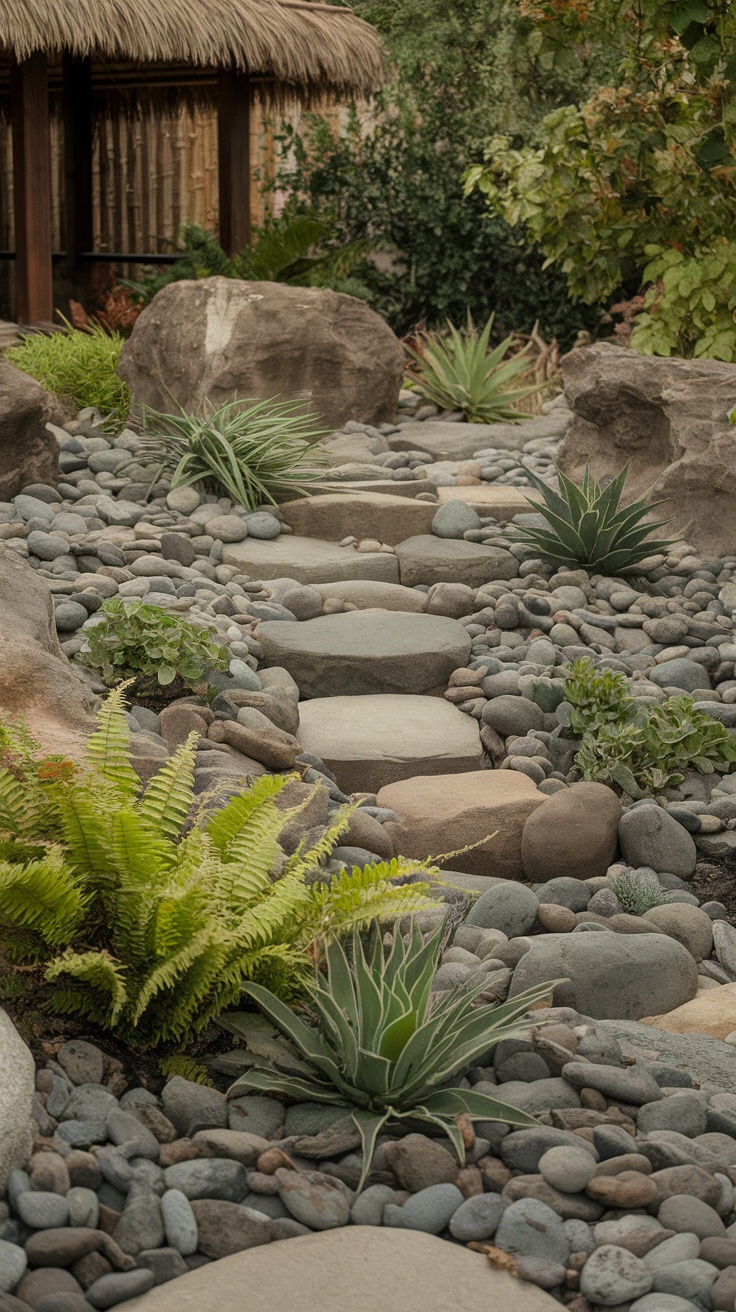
(252, 451)
(154, 648)
(458, 371)
(639, 746)
(79, 365)
(150, 911)
(587, 528)
(379, 1043)
(638, 891)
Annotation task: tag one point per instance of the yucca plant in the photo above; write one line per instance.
(378, 1041)
(254, 451)
(459, 372)
(587, 528)
(150, 911)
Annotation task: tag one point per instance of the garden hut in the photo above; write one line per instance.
(77, 58)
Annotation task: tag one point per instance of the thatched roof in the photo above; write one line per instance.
(310, 47)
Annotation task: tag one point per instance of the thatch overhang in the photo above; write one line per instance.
(143, 51)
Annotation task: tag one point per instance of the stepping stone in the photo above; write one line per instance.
(362, 514)
(366, 651)
(444, 813)
(488, 499)
(448, 441)
(367, 595)
(427, 559)
(308, 560)
(371, 741)
(397, 487)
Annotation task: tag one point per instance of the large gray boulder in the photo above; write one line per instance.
(366, 651)
(28, 452)
(218, 338)
(16, 1097)
(668, 417)
(609, 975)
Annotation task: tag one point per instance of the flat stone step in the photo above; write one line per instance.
(337, 515)
(366, 651)
(488, 499)
(447, 441)
(372, 741)
(390, 487)
(309, 560)
(428, 559)
(368, 595)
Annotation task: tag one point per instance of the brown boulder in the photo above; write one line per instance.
(713, 1012)
(36, 679)
(446, 812)
(28, 452)
(337, 515)
(226, 1228)
(216, 338)
(668, 417)
(574, 833)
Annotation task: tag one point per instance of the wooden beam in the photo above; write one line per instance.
(34, 295)
(77, 111)
(233, 146)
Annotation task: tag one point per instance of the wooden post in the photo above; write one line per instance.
(77, 110)
(34, 297)
(233, 145)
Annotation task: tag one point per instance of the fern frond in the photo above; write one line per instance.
(200, 955)
(100, 972)
(306, 858)
(86, 816)
(107, 749)
(187, 1068)
(168, 797)
(23, 804)
(226, 824)
(41, 895)
(355, 899)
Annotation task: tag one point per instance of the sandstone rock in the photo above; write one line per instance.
(366, 652)
(16, 1098)
(368, 595)
(610, 975)
(666, 416)
(500, 501)
(450, 441)
(712, 1013)
(427, 559)
(36, 680)
(211, 339)
(28, 452)
(574, 833)
(335, 516)
(442, 813)
(370, 741)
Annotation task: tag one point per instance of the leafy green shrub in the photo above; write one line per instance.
(380, 1043)
(156, 649)
(638, 891)
(254, 451)
(460, 372)
(588, 529)
(79, 365)
(638, 746)
(150, 912)
(300, 249)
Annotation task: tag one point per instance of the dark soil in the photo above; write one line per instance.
(716, 883)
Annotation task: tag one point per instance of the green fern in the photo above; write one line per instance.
(187, 1068)
(149, 911)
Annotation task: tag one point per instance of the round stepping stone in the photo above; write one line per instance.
(368, 651)
(375, 740)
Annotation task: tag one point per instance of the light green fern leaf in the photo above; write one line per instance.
(169, 973)
(100, 973)
(42, 896)
(23, 807)
(107, 749)
(305, 859)
(226, 824)
(168, 797)
(85, 816)
(353, 899)
(187, 1068)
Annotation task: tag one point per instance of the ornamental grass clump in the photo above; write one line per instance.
(252, 451)
(79, 365)
(377, 1040)
(147, 910)
(459, 372)
(587, 528)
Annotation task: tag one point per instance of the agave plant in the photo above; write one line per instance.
(381, 1043)
(255, 451)
(587, 527)
(460, 373)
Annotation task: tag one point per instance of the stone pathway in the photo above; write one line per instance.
(394, 638)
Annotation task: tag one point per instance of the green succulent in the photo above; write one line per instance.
(459, 372)
(379, 1042)
(587, 528)
(638, 891)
